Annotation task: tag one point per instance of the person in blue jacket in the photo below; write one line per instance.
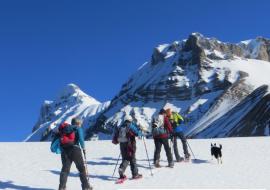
(71, 146)
(176, 119)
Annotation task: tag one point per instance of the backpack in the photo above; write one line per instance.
(67, 135)
(55, 146)
(158, 126)
(122, 133)
(176, 120)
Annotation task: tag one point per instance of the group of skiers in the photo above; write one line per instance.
(164, 127)
(69, 141)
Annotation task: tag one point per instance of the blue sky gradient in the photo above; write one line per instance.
(98, 44)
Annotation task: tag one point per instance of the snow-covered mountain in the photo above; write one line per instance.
(222, 88)
(70, 102)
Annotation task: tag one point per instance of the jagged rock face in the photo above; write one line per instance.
(191, 75)
(248, 118)
(256, 122)
(183, 64)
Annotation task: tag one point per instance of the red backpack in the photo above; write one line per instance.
(67, 135)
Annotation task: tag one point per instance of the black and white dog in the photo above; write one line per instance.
(216, 151)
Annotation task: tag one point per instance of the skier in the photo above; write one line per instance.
(176, 119)
(125, 135)
(161, 131)
(72, 138)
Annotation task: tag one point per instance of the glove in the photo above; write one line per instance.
(171, 137)
(140, 134)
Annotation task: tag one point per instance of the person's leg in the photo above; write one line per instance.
(167, 148)
(125, 160)
(158, 145)
(175, 148)
(133, 166)
(66, 164)
(80, 165)
(184, 143)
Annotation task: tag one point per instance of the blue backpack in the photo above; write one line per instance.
(55, 146)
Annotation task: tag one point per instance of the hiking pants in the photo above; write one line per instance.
(127, 158)
(184, 143)
(158, 144)
(69, 155)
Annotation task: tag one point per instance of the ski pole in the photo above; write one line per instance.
(191, 151)
(147, 156)
(85, 163)
(172, 146)
(116, 164)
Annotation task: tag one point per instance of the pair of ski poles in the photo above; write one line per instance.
(146, 155)
(171, 143)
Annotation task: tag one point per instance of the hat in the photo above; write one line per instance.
(168, 112)
(76, 121)
(162, 111)
(127, 118)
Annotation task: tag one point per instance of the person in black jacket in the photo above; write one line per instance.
(161, 131)
(125, 135)
(71, 152)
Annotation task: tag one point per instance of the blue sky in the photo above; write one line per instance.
(98, 44)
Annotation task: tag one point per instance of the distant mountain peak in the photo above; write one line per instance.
(72, 90)
(70, 102)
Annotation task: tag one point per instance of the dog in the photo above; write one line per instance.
(216, 152)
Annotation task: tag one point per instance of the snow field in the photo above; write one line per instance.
(31, 166)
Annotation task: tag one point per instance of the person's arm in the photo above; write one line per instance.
(180, 118)
(81, 137)
(115, 136)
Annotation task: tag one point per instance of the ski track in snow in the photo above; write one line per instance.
(31, 166)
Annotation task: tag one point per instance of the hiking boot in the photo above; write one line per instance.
(122, 177)
(138, 176)
(181, 159)
(157, 165)
(171, 164)
(187, 156)
(88, 188)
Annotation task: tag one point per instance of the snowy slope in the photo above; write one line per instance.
(30, 166)
(70, 102)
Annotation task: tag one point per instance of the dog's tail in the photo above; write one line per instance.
(220, 146)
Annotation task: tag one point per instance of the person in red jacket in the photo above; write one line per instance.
(161, 130)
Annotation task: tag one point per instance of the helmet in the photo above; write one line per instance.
(76, 121)
(162, 111)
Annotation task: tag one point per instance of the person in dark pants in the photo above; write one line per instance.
(71, 152)
(161, 132)
(125, 135)
(176, 119)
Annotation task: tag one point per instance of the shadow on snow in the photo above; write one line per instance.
(9, 184)
(102, 177)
